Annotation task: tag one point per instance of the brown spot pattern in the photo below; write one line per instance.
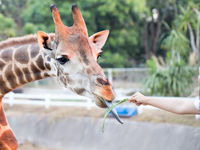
(11, 78)
(79, 90)
(2, 65)
(36, 72)
(48, 58)
(27, 74)
(3, 146)
(89, 71)
(3, 121)
(48, 66)
(9, 138)
(21, 55)
(46, 75)
(3, 87)
(68, 80)
(6, 55)
(84, 57)
(103, 82)
(34, 50)
(40, 63)
(19, 74)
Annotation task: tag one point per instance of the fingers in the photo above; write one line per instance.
(137, 93)
(137, 98)
(132, 100)
(138, 104)
(134, 96)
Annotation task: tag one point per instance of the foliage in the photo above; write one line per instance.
(29, 28)
(177, 44)
(129, 22)
(153, 64)
(175, 77)
(6, 27)
(181, 38)
(110, 60)
(174, 80)
(123, 18)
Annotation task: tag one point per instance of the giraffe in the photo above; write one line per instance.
(70, 55)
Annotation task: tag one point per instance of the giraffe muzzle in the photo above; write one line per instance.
(105, 89)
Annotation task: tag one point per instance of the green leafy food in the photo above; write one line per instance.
(109, 110)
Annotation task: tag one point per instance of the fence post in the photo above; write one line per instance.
(11, 98)
(89, 103)
(47, 101)
(198, 116)
(110, 75)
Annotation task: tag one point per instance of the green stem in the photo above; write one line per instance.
(108, 111)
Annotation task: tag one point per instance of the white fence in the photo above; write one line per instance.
(48, 100)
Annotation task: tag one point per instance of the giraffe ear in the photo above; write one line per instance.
(99, 38)
(44, 40)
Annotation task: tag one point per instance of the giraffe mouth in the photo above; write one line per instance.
(109, 104)
(113, 111)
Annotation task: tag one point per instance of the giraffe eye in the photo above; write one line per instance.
(62, 59)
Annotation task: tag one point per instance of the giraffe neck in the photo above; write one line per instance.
(7, 138)
(22, 65)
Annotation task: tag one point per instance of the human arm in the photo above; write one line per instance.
(177, 106)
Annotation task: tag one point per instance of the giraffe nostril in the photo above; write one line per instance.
(103, 82)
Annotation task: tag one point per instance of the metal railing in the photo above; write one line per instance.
(110, 71)
(130, 77)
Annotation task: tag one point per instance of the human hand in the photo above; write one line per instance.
(138, 99)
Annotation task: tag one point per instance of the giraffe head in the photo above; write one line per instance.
(75, 55)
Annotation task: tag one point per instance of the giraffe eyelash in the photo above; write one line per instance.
(62, 59)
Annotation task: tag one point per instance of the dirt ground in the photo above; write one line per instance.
(149, 115)
(156, 116)
(31, 146)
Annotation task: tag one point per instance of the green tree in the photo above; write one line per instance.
(135, 31)
(13, 9)
(121, 17)
(7, 27)
(175, 79)
(184, 33)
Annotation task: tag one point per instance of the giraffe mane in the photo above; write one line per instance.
(16, 41)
